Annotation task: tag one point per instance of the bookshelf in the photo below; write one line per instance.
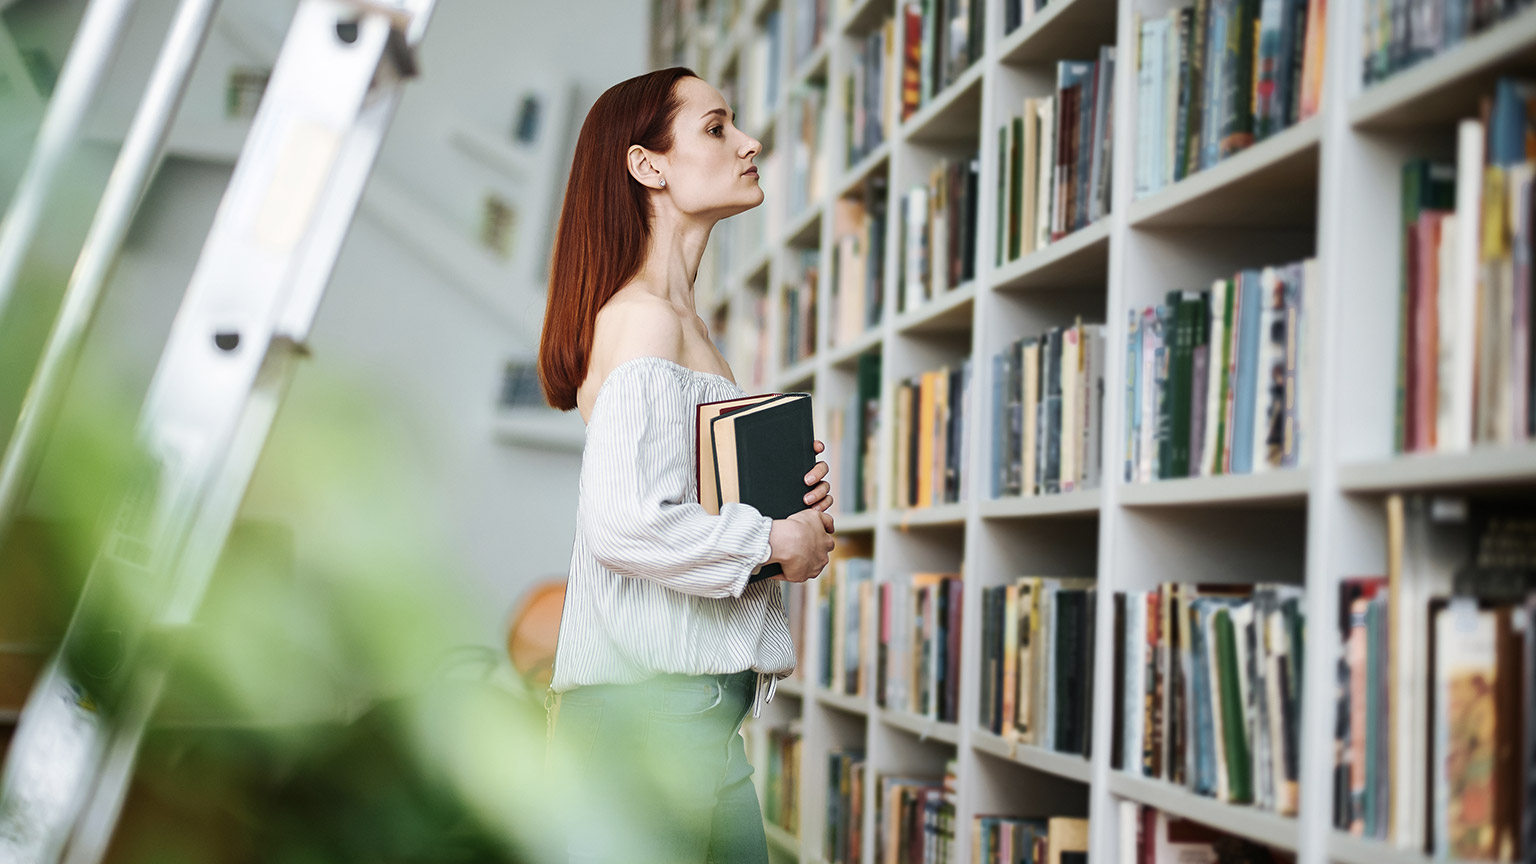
(1326, 187)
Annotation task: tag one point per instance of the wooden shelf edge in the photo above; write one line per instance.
(1480, 466)
(1288, 485)
(1269, 828)
(1023, 507)
(1068, 765)
(924, 728)
(1236, 168)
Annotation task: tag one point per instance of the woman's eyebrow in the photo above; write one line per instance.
(720, 111)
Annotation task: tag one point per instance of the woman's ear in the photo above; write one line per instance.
(643, 167)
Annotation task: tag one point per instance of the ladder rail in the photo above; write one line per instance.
(228, 360)
(97, 41)
(137, 162)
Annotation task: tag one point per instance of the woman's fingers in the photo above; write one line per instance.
(820, 492)
(817, 474)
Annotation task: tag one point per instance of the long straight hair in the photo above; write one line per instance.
(605, 222)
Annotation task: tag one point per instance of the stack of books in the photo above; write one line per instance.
(1437, 661)
(799, 307)
(1399, 34)
(1208, 690)
(781, 785)
(1048, 413)
(938, 233)
(858, 262)
(855, 428)
(807, 156)
(843, 839)
(1053, 171)
(869, 118)
(846, 613)
(916, 819)
(1215, 77)
(919, 645)
(1014, 839)
(1037, 662)
(1465, 368)
(810, 27)
(931, 415)
(1217, 379)
(943, 39)
(763, 74)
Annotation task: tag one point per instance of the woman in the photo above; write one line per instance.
(666, 640)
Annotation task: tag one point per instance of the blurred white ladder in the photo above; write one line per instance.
(232, 351)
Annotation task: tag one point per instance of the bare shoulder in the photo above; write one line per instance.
(633, 323)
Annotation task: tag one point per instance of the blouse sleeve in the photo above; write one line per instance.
(636, 510)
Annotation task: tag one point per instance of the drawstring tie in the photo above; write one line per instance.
(767, 685)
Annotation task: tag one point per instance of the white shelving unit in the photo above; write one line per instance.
(1328, 188)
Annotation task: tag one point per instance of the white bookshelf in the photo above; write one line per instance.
(1328, 188)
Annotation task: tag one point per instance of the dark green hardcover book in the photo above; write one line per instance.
(1187, 68)
(864, 423)
(1016, 202)
(1234, 730)
(762, 454)
(1235, 132)
(1195, 87)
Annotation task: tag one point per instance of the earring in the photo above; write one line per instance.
(663, 182)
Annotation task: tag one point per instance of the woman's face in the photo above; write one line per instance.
(709, 170)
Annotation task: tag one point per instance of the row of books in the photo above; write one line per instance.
(843, 840)
(781, 783)
(938, 251)
(916, 819)
(846, 615)
(799, 307)
(1054, 159)
(1400, 33)
(1216, 379)
(1048, 412)
(807, 162)
(943, 39)
(1208, 689)
(869, 119)
(810, 27)
(1151, 836)
(858, 261)
(763, 73)
(917, 652)
(741, 336)
(1020, 840)
(1215, 77)
(931, 433)
(1465, 368)
(1435, 734)
(854, 430)
(1037, 662)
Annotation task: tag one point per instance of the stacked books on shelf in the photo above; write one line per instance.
(943, 39)
(1053, 171)
(1150, 836)
(858, 261)
(763, 73)
(1217, 379)
(843, 839)
(1399, 34)
(808, 165)
(927, 658)
(1048, 412)
(1217, 76)
(846, 612)
(869, 118)
(1208, 690)
(938, 233)
(781, 785)
(1015, 839)
(745, 344)
(1037, 662)
(855, 428)
(1465, 368)
(799, 308)
(916, 819)
(810, 27)
(1435, 739)
(931, 434)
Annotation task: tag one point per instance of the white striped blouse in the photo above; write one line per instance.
(658, 585)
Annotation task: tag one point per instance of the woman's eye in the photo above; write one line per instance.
(716, 130)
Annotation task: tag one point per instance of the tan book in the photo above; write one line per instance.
(1065, 835)
(704, 453)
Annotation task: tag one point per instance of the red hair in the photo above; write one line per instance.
(605, 222)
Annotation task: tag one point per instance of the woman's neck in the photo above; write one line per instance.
(672, 258)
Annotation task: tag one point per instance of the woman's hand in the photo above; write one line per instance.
(800, 545)
(820, 496)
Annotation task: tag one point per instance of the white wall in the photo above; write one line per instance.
(393, 324)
